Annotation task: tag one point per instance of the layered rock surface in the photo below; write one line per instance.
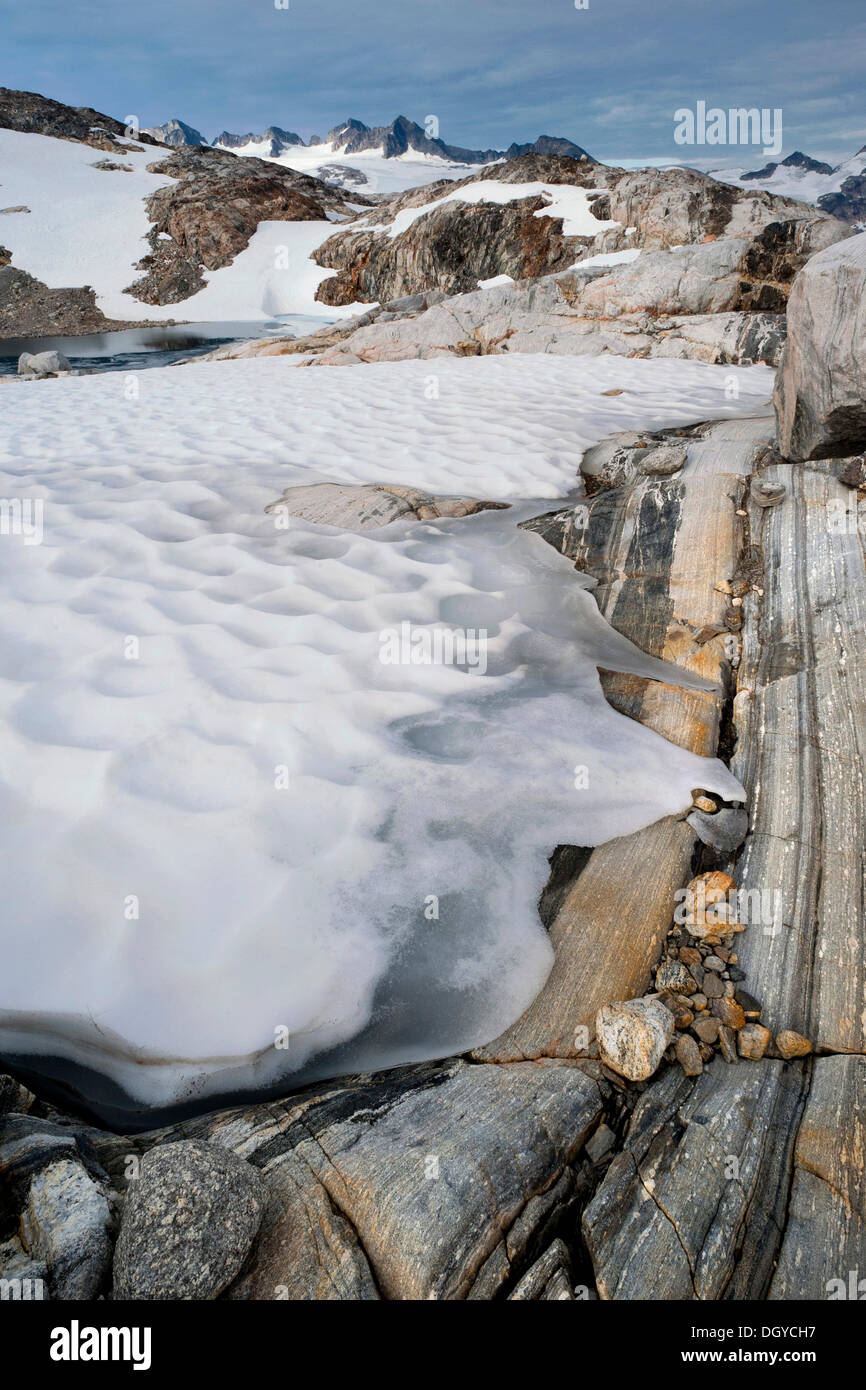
(458, 243)
(821, 389)
(531, 1171)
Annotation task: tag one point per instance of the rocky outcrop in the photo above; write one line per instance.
(659, 547)
(450, 248)
(206, 217)
(537, 316)
(35, 114)
(457, 243)
(29, 309)
(56, 1219)
(693, 1205)
(365, 508)
(821, 387)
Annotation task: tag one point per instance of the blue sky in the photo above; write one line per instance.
(609, 77)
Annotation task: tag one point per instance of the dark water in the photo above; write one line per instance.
(138, 348)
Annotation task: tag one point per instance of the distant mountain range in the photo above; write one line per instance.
(839, 190)
(401, 137)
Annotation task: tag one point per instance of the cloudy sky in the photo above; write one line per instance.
(609, 76)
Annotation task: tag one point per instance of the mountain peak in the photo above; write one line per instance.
(176, 132)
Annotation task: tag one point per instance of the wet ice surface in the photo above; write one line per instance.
(227, 819)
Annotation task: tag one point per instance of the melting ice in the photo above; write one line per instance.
(228, 822)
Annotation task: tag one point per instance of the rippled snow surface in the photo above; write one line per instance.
(224, 816)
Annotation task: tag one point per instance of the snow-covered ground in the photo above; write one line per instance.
(226, 815)
(87, 226)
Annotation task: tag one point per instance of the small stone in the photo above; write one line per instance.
(767, 494)
(854, 472)
(728, 1044)
(690, 955)
(724, 831)
(748, 1003)
(713, 987)
(664, 461)
(706, 1052)
(736, 602)
(688, 1055)
(699, 1002)
(706, 1030)
(702, 635)
(673, 975)
(736, 974)
(632, 1036)
(714, 963)
(706, 803)
(728, 1012)
(680, 1008)
(753, 1041)
(601, 1143)
(792, 1044)
(704, 897)
(729, 989)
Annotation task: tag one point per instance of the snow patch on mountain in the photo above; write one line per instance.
(88, 226)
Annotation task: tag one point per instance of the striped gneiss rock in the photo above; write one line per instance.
(821, 387)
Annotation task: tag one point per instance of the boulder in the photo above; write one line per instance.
(366, 507)
(42, 364)
(632, 1036)
(189, 1222)
(820, 395)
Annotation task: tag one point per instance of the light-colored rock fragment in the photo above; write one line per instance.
(632, 1036)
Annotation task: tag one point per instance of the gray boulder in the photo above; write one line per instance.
(42, 364)
(820, 395)
(189, 1223)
